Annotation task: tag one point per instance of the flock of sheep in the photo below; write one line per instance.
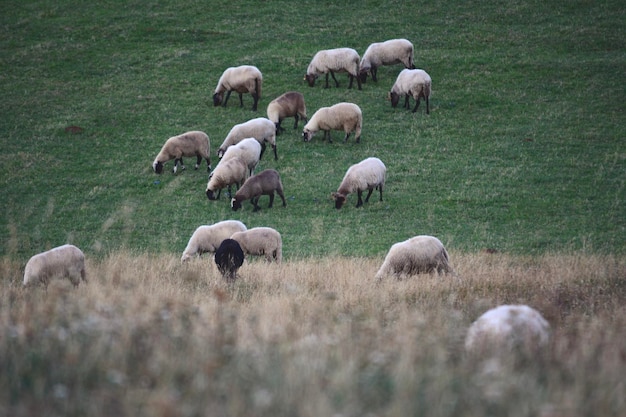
(506, 328)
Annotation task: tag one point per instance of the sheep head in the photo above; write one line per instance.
(310, 78)
(235, 204)
(395, 98)
(217, 99)
(307, 135)
(157, 167)
(340, 199)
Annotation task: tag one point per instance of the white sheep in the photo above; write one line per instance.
(368, 174)
(225, 174)
(414, 83)
(341, 116)
(264, 183)
(506, 334)
(261, 241)
(419, 254)
(329, 61)
(60, 262)
(261, 129)
(208, 238)
(242, 79)
(393, 51)
(248, 149)
(290, 104)
(194, 143)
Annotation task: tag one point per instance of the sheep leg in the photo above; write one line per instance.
(241, 101)
(406, 101)
(271, 200)
(327, 136)
(332, 74)
(275, 154)
(359, 202)
(427, 105)
(380, 189)
(198, 161)
(417, 104)
(263, 146)
(295, 125)
(255, 97)
(255, 202)
(345, 140)
(326, 86)
(369, 193)
(282, 196)
(374, 72)
(226, 98)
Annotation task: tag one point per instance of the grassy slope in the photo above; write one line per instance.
(523, 150)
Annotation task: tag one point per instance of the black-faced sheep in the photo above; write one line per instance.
(194, 143)
(290, 104)
(248, 150)
(414, 83)
(261, 241)
(261, 129)
(225, 174)
(229, 257)
(341, 116)
(207, 238)
(417, 255)
(329, 61)
(242, 79)
(65, 261)
(393, 51)
(264, 183)
(368, 174)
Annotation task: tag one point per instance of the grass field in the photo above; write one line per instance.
(524, 152)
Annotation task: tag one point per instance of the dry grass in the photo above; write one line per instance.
(147, 336)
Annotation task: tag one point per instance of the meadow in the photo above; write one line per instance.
(519, 170)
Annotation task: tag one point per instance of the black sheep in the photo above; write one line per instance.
(228, 258)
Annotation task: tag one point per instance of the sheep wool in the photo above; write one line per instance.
(341, 116)
(329, 61)
(243, 79)
(417, 255)
(261, 241)
(229, 257)
(248, 150)
(290, 104)
(368, 174)
(207, 238)
(261, 129)
(414, 83)
(393, 51)
(227, 173)
(65, 261)
(194, 143)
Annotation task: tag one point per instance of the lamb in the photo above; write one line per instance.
(331, 61)
(290, 104)
(207, 238)
(414, 83)
(261, 241)
(368, 174)
(227, 173)
(393, 51)
(261, 129)
(194, 143)
(264, 183)
(248, 149)
(419, 254)
(229, 257)
(242, 79)
(60, 262)
(341, 116)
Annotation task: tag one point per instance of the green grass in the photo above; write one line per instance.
(524, 149)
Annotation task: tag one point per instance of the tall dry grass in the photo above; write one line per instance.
(148, 336)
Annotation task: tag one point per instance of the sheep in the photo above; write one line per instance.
(341, 116)
(419, 254)
(60, 262)
(331, 61)
(290, 104)
(229, 257)
(393, 51)
(414, 83)
(368, 174)
(242, 79)
(248, 149)
(264, 183)
(227, 173)
(194, 143)
(261, 241)
(261, 129)
(207, 238)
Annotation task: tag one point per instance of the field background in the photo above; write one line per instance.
(523, 152)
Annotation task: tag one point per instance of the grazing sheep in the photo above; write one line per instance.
(393, 51)
(331, 61)
(229, 258)
(264, 183)
(225, 174)
(290, 104)
(248, 149)
(194, 143)
(414, 83)
(368, 174)
(261, 241)
(242, 79)
(60, 262)
(261, 129)
(419, 254)
(507, 333)
(208, 238)
(341, 116)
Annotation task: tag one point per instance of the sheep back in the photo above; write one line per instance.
(207, 238)
(66, 261)
(193, 143)
(261, 241)
(419, 254)
(341, 116)
(368, 174)
(229, 257)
